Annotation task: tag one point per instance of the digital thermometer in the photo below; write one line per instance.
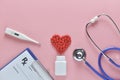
(19, 35)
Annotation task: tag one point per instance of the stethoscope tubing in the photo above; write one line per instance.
(94, 70)
(110, 60)
(103, 52)
(104, 75)
(92, 21)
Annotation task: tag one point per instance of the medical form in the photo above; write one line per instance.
(24, 67)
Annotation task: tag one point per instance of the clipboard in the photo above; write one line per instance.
(25, 67)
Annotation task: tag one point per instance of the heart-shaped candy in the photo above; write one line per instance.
(61, 43)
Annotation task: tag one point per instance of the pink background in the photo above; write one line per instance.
(40, 19)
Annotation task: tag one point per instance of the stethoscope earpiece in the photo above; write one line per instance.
(79, 54)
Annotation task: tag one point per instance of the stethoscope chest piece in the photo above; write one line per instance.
(79, 54)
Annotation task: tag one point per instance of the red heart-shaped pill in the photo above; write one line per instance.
(61, 43)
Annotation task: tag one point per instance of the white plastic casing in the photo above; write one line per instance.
(19, 35)
(93, 20)
(60, 66)
(14, 33)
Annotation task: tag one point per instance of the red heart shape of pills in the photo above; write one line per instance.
(61, 43)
